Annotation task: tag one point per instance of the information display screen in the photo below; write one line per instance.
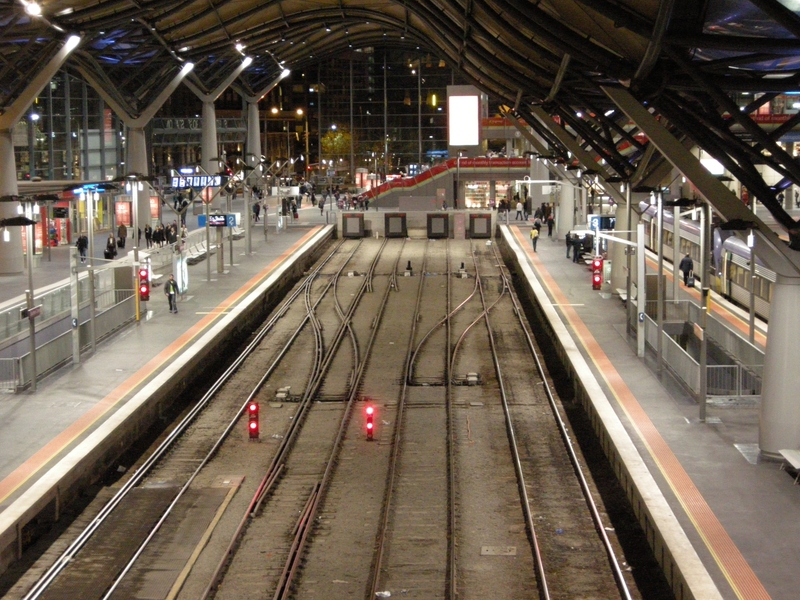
(217, 220)
(198, 181)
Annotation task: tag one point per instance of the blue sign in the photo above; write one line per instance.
(217, 220)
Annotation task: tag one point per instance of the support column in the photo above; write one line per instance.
(779, 427)
(11, 251)
(565, 221)
(253, 144)
(619, 276)
(208, 143)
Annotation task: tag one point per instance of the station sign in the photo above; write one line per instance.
(183, 182)
(222, 220)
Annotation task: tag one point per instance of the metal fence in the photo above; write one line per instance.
(734, 380)
(16, 373)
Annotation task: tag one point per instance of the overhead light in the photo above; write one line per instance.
(285, 73)
(32, 8)
(327, 28)
(6, 235)
(247, 60)
(239, 46)
(187, 67)
(72, 42)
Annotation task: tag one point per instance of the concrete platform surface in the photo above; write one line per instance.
(737, 510)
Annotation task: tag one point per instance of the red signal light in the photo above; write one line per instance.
(597, 273)
(144, 284)
(370, 410)
(252, 420)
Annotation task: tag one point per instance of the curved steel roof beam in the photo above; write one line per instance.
(622, 16)
(654, 45)
(565, 39)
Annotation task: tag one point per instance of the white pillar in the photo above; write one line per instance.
(139, 163)
(10, 251)
(208, 143)
(779, 427)
(253, 145)
(617, 250)
(565, 221)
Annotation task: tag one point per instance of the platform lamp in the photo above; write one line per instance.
(30, 311)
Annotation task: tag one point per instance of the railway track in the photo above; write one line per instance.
(471, 486)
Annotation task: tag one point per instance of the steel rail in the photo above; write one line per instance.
(283, 589)
(450, 314)
(383, 526)
(564, 431)
(226, 432)
(451, 590)
(276, 466)
(43, 583)
(512, 440)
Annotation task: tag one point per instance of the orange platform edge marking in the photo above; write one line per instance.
(734, 567)
(55, 446)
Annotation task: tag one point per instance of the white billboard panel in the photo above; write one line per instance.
(464, 123)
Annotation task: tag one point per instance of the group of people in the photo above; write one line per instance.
(163, 234)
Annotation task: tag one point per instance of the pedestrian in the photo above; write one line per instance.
(256, 211)
(519, 211)
(686, 267)
(538, 224)
(321, 205)
(534, 238)
(148, 235)
(569, 242)
(577, 242)
(122, 234)
(111, 247)
(171, 292)
(550, 222)
(82, 244)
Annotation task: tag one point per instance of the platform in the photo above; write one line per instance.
(737, 511)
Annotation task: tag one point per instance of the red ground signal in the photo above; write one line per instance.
(252, 420)
(370, 411)
(144, 284)
(597, 272)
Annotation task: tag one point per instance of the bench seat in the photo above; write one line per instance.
(792, 458)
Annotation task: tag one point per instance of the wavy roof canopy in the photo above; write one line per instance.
(685, 58)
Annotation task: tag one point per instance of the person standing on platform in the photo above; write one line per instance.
(111, 247)
(568, 238)
(534, 238)
(550, 222)
(148, 235)
(122, 234)
(519, 210)
(686, 267)
(171, 292)
(577, 242)
(82, 244)
(256, 211)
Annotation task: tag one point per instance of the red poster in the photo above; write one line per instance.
(123, 213)
(154, 205)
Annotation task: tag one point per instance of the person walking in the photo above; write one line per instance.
(534, 238)
(111, 247)
(171, 292)
(519, 211)
(82, 244)
(550, 222)
(686, 267)
(568, 238)
(122, 234)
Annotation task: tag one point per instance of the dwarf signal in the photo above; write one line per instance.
(370, 410)
(144, 284)
(252, 420)
(597, 272)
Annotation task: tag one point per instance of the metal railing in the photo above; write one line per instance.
(118, 310)
(734, 380)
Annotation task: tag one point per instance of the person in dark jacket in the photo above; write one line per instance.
(111, 247)
(171, 292)
(568, 239)
(686, 267)
(82, 244)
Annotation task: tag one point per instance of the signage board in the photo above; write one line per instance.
(222, 220)
(183, 182)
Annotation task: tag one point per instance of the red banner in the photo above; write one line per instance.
(122, 210)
